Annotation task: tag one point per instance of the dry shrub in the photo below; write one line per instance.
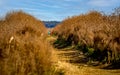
(23, 51)
(93, 31)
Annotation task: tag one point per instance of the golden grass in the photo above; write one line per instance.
(23, 50)
(70, 69)
(93, 31)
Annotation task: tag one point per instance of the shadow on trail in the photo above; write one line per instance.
(73, 56)
(113, 66)
(77, 57)
(61, 44)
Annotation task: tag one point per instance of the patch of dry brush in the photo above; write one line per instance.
(97, 34)
(23, 51)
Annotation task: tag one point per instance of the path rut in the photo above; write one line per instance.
(73, 62)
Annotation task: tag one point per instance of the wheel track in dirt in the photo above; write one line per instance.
(73, 62)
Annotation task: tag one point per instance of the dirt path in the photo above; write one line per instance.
(73, 62)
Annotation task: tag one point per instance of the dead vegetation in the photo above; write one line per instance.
(95, 33)
(23, 50)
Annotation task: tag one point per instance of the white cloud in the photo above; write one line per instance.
(43, 4)
(25, 8)
(102, 3)
(51, 6)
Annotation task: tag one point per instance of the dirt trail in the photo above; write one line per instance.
(73, 62)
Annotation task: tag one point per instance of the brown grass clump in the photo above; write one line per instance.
(23, 51)
(97, 34)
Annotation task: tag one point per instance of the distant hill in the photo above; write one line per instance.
(51, 24)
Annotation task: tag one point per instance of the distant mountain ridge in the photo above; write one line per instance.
(51, 24)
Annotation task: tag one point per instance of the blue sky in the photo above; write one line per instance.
(57, 9)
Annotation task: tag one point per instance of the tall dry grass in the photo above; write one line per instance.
(95, 33)
(23, 50)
